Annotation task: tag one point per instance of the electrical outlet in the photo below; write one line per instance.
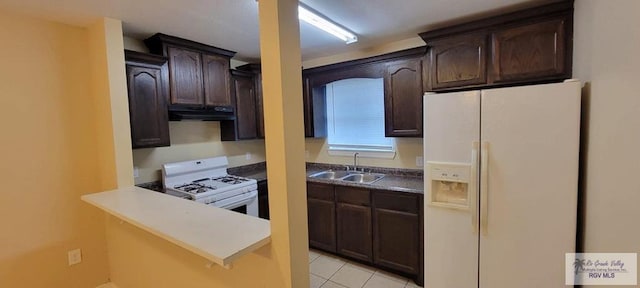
(419, 161)
(247, 156)
(75, 256)
(136, 172)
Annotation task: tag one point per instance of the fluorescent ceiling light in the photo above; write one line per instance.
(307, 16)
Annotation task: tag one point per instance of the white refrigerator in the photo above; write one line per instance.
(501, 182)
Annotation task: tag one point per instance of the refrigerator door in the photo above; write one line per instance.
(528, 218)
(451, 126)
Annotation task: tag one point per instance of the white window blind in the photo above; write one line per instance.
(355, 115)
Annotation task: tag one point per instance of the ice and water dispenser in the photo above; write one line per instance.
(449, 184)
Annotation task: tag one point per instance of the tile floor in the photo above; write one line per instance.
(328, 271)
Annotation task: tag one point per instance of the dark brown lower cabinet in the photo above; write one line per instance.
(397, 232)
(321, 208)
(376, 227)
(263, 200)
(354, 223)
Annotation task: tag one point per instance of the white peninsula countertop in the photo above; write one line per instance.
(216, 234)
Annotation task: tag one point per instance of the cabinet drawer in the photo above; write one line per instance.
(397, 201)
(320, 191)
(352, 195)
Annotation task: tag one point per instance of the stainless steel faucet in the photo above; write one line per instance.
(355, 161)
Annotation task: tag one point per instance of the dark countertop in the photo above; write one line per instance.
(401, 180)
(400, 183)
(257, 171)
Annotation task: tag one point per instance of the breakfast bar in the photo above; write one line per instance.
(219, 235)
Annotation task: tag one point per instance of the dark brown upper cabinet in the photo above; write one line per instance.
(458, 61)
(533, 51)
(256, 69)
(147, 89)
(524, 47)
(215, 70)
(403, 77)
(403, 98)
(244, 101)
(314, 108)
(185, 73)
(198, 73)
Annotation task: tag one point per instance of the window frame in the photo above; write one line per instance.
(363, 150)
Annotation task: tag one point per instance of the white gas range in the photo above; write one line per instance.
(206, 181)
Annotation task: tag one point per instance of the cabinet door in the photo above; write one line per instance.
(263, 200)
(531, 52)
(354, 231)
(307, 106)
(396, 240)
(314, 109)
(185, 74)
(458, 61)
(147, 107)
(216, 80)
(322, 224)
(259, 104)
(403, 98)
(397, 232)
(245, 103)
(322, 216)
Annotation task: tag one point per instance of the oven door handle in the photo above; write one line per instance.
(243, 200)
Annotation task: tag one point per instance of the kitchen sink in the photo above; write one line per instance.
(348, 176)
(367, 178)
(330, 174)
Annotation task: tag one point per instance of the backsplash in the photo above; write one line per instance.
(407, 149)
(195, 140)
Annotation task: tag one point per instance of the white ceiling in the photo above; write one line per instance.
(233, 24)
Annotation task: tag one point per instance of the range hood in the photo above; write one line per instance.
(213, 113)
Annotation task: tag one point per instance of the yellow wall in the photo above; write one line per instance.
(607, 38)
(141, 260)
(109, 88)
(50, 157)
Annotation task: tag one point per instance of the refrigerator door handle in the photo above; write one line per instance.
(484, 187)
(473, 189)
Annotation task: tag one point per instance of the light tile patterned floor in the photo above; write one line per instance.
(329, 271)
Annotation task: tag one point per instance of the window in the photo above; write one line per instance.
(355, 115)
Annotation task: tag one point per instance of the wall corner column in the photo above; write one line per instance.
(109, 90)
(285, 145)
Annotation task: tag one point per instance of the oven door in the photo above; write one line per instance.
(246, 203)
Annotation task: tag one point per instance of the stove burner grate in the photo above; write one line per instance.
(194, 188)
(230, 179)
